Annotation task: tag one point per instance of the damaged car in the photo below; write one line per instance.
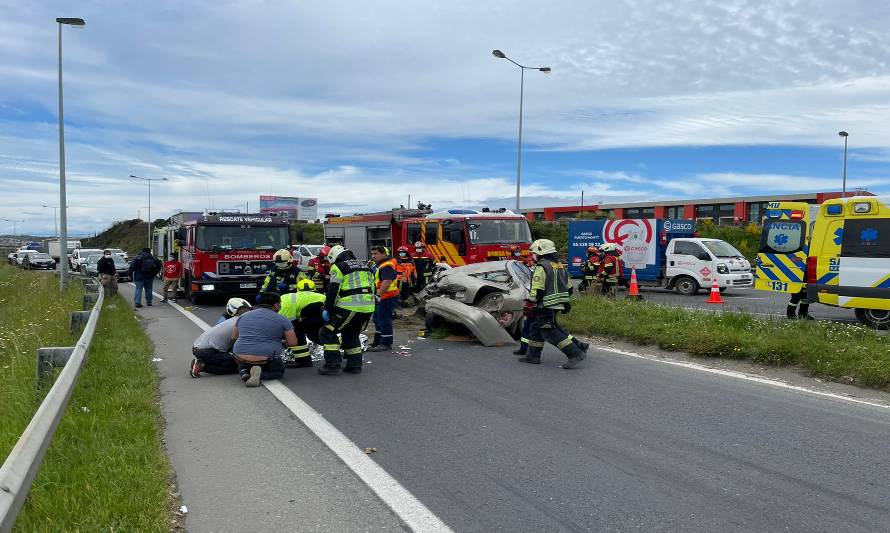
(487, 298)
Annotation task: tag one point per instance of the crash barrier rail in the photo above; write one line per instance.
(18, 471)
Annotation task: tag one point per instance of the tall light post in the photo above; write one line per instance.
(63, 220)
(55, 209)
(149, 180)
(522, 69)
(14, 222)
(844, 188)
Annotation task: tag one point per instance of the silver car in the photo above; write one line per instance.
(487, 298)
(90, 266)
(38, 261)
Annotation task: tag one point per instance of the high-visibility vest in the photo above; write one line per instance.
(555, 285)
(356, 291)
(406, 270)
(293, 304)
(393, 289)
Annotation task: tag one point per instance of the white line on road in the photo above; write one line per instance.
(743, 376)
(408, 508)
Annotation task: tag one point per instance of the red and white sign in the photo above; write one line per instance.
(706, 272)
(635, 239)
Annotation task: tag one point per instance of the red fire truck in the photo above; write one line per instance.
(221, 253)
(455, 236)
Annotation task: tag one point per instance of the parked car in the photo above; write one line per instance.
(20, 256)
(487, 298)
(304, 253)
(90, 267)
(10, 258)
(79, 256)
(118, 251)
(38, 261)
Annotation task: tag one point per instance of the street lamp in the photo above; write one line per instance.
(844, 189)
(14, 222)
(149, 180)
(63, 235)
(522, 68)
(55, 209)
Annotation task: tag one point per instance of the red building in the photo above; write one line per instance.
(738, 210)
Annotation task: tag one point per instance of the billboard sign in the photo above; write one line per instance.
(291, 206)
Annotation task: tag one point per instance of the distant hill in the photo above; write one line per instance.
(132, 235)
(128, 235)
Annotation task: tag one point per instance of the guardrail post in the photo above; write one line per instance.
(78, 320)
(89, 299)
(49, 358)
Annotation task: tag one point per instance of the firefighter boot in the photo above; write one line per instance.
(574, 354)
(790, 311)
(804, 312)
(353, 364)
(532, 356)
(583, 346)
(523, 348)
(332, 360)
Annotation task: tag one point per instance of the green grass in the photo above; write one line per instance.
(106, 469)
(848, 353)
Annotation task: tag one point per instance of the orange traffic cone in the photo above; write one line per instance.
(634, 290)
(715, 297)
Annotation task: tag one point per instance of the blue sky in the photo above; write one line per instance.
(364, 104)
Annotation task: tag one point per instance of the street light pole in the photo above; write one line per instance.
(844, 188)
(63, 219)
(522, 69)
(55, 218)
(149, 180)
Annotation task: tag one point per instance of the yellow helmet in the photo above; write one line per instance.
(305, 285)
(283, 259)
(543, 247)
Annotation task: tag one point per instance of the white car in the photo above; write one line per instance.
(118, 251)
(79, 256)
(20, 255)
(306, 252)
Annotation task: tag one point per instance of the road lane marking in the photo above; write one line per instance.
(743, 376)
(414, 513)
(405, 505)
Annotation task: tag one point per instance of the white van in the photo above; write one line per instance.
(79, 256)
(693, 263)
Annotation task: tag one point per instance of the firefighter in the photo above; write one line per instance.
(516, 253)
(386, 282)
(304, 309)
(407, 274)
(591, 270)
(320, 269)
(283, 278)
(423, 264)
(611, 269)
(349, 303)
(799, 305)
(551, 293)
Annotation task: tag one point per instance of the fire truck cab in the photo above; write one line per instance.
(223, 254)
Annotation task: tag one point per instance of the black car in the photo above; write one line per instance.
(38, 261)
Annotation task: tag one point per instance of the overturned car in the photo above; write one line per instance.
(487, 298)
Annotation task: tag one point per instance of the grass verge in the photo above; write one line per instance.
(841, 352)
(106, 469)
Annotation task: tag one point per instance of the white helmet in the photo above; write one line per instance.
(335, 252)
(609, 247)
(234, 304)
(543, 247)
(283, 259)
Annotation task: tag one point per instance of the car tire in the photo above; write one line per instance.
(686, 286)
(874, 318)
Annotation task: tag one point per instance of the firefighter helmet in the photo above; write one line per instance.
(305, 285)
(283, 259)
(592, 250)
(404, 249)
(543, 247)
(335, 252)
(325, 250)
(234, 304)
(609, 247)
(419, 244)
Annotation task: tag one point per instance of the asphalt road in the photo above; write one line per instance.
(619, 444)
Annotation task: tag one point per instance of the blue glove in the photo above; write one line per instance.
(325, 315)
(282, 286)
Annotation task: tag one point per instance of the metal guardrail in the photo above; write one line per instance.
(18, 471)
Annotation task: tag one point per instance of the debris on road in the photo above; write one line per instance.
(156, 359)
(369, 451)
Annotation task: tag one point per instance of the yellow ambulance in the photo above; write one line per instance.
(782, 262)
(849, 257)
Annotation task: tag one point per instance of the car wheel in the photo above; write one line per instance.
(874, 318)
(686, 286)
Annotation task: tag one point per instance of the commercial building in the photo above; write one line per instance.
(727, 211)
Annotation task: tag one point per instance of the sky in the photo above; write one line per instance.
(362, 104)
